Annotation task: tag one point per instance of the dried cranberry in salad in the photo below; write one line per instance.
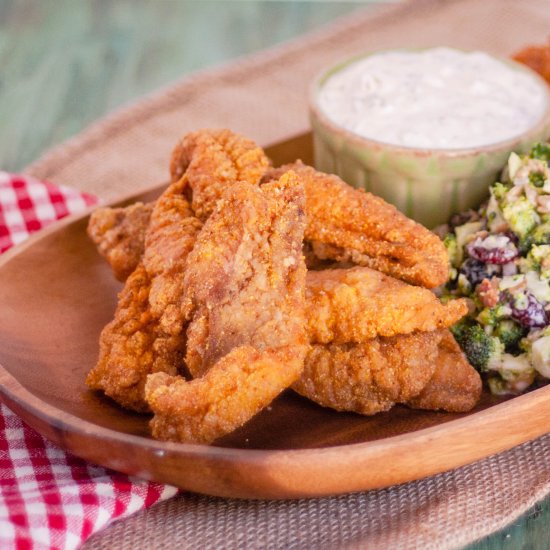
(500, 259)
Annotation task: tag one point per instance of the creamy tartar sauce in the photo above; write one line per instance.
(433, 99)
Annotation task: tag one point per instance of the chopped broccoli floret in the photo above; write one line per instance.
(488, 316)
(479, 348)
(538, 259)
(521, 216)
(537, 179)
(499, 191)
(455, 256)
(509, 333)
(458, 329)
(491, 316)
(541, 234)
(540, 151)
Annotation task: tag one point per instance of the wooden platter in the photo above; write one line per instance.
(56, 294)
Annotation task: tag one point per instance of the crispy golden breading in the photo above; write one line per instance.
(357, 304)
(349, 225)
(370, 377)
(455, 385)
(351, 305)
(244, 297)
(344, 224)
(119, 234)
(236, 388)
(245, 274)
(213, 160)
(146, 334)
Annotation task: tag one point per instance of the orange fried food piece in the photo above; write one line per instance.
(146, 334)
(370, 377)
(244, 297)
(349, 225)
(119, 234)
(455, 385)
(246, 273)
(236, 388)
(212, 160)
(351, 305)
(537, 58)
(357, 304)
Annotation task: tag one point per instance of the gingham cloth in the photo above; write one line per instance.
(50, 499)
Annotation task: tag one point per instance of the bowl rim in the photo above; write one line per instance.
(317, 113)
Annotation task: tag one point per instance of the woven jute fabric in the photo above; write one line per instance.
(265, 97)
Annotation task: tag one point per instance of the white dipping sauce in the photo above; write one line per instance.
(433, 99)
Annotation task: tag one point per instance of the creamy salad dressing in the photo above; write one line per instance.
(436, 99)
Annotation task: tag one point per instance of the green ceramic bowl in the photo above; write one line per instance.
(428, 185)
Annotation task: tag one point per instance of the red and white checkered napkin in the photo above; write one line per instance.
(50, 499)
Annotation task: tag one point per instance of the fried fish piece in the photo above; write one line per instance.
(455, 385)
(348, 225)
(358, 304)
(146, 334)
(424, 370)
(344, 224)
(119, 234)
(354, 304)
(213, 160)
(236, 388)
(244, 296)
(370, 377)
(245, 274)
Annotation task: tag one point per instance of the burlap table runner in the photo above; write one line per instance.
(265, 97)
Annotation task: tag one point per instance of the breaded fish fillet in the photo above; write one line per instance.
(119, 234)
(351, 305)
(244, 297)
(245, 274)
(235, 389)
(357, 304)
(424, 370)
(213, 160)
(455, 385)
(348, 225)
(146, 334)
(370, 377)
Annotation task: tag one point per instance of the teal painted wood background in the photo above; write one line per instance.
(65, 63)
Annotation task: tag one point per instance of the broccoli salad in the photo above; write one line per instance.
(500, 261)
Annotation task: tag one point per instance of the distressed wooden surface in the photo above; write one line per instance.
(65, 63)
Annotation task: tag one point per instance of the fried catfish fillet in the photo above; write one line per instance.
(358, 304)
(349, 225)
(119, 234)
(370, 377)
(423, 370)
(344, 224)
(146, 334)
(244, 291)
(212, 160)
(351, 305)
(455, 385)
